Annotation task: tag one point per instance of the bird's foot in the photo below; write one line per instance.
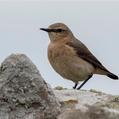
(75, 85)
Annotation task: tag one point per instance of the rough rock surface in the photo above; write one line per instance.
(87, 104)
(23, 92)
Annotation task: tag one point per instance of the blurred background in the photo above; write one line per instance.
(94, 22)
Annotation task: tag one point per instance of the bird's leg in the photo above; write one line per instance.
(75, 85)
(84, 82)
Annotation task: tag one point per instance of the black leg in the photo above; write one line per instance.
(84, 82)
(75, 85)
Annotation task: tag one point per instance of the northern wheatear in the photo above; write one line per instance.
(70, 57)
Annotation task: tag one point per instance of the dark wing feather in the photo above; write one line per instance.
(83, 52)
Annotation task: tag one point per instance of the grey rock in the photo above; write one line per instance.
(23, 92)
(84, 104)
(93, 112)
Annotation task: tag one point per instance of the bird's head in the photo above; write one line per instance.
(58, 31)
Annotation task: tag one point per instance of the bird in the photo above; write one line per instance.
(70, 58)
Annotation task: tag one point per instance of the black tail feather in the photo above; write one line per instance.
(112, 76)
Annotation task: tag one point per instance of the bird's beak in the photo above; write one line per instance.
(46, 29)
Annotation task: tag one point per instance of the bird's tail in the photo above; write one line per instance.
(112, 76)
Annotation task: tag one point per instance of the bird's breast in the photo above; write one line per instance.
(57, 52)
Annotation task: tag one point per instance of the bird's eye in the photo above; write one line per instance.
(60, 30)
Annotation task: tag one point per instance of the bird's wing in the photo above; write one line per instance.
(84, 53)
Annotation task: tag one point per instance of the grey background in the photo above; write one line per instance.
(95, 23)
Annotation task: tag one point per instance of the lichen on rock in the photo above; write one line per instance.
(23, 92)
